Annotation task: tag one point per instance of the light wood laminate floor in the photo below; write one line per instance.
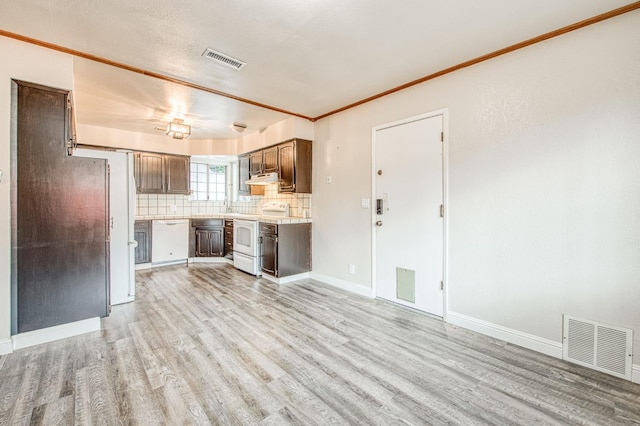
(208, 344)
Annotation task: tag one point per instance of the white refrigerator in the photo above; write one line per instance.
(122, 211)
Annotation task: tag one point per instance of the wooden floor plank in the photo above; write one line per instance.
(208, 344)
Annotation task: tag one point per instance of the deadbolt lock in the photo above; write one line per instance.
(379, 172)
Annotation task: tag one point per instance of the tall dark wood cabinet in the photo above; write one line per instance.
(59, 239)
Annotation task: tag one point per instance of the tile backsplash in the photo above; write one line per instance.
(180, 205)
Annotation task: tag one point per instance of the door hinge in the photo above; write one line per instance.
(441, 136)
(441, 285)
(441, 210)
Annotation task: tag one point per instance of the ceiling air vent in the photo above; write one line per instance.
(223, 59)
(599, 346)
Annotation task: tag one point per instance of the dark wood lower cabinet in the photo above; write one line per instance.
(209, 242)
(269, 252)
(228, 239)
(142, 235)
(60, 231)
(285, 249)
(206, 238)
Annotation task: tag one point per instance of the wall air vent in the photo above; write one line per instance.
(599, 346)
(223, 59)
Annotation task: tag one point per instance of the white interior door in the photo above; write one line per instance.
(121, 218)
(409, 229)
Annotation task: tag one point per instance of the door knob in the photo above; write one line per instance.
(379, 223)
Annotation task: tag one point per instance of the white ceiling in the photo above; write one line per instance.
(308, 57)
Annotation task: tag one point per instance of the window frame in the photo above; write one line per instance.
(209, 184)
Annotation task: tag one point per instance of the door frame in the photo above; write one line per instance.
(444, 113)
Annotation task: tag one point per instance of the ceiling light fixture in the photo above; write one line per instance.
(177, 130)
(238, 127)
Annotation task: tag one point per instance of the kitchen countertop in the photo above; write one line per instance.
(268, 219)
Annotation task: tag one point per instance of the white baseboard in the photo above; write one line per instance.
(143, 266)
(635, 373)
(170, 263)
(344, 285)
(286, 280)
(529, 341)
(50, 334)
(210, 260)
(6, 347)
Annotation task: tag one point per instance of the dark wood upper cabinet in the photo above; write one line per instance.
(177, 174)
(286, 174)
(255, 163)
(243, 175)
(294, 166)
(149, 173)
(292, 160)
(161, 173)
(270, 160)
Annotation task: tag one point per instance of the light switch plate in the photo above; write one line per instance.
(364, 203)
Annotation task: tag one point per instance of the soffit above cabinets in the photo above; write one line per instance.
(307, 57)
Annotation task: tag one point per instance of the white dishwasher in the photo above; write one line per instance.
(169, 240)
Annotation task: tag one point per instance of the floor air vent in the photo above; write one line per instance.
(222, 59)
(599, 346)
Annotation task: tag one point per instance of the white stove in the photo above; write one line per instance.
(246, 246)
(275, 208)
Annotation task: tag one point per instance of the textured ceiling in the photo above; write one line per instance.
(304, 56)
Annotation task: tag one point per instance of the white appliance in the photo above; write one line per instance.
(275, 208)
(122, 207)
(170, 240)
(263, 179)
(245, 246)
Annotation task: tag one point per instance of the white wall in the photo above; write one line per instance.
(289, 128)
(34, 64)
(544, 182)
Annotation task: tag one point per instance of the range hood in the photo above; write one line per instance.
(263, 179)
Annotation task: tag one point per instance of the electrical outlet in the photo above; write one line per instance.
(364, 203)
(352, 268)
(329, 179)
(173, 208)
